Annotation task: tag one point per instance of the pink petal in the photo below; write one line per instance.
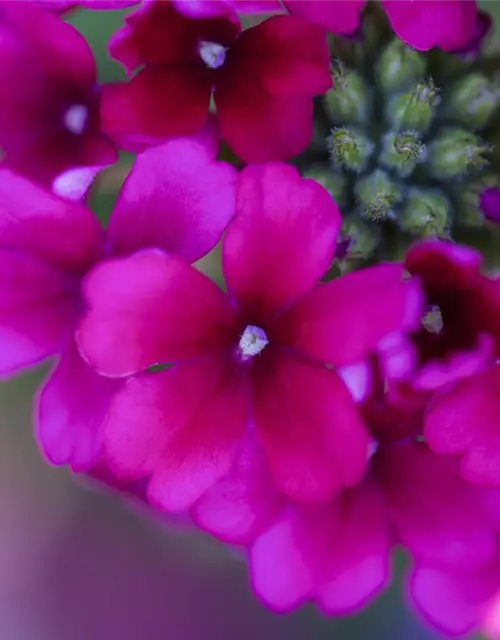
(244, 502)
(282, 239)
(342, 321)
(453, 601)
(437, 515)
(259, 127)
(338, 17)
(151, 308)
(309, 427)
(74, 183)
(359, 563)
(424, 24)
(212, 8)
(286, 56)
(38, 309)
(157, 104)
(61, 233)
(465, 419)
(72, 405)
(176, 198)
(182, 426)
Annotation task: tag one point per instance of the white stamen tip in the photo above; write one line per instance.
(252, 341)
(212, 54)
(75, 118)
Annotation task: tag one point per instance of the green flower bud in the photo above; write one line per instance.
(362, 239)
(426, 214)
(473, 100)
(349, 148)
(467, 207)
(376, 196)
(455, 153)
(399, 67)
(348, 101)
(402, 152)
(415, 109)
(334, 182)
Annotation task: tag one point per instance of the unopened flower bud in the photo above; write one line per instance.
(361, 239)
(402, 152)
(348, 101)
(455, 153)
(333, 181)
(415, 109)
(473, 100)
(349, 148)
(473, 201)
(399, 67)
(425, 214)
(377, 196)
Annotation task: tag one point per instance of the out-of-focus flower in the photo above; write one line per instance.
(251, 360)
(262, 81)
(489, 201)
(424, 24)
(176, 198)
(49, 105)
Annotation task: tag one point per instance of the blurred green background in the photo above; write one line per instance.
(80, 564)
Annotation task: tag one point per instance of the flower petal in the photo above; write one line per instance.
(181, 426)
(157, 104)
(437, 515)
(151, 308)
(38, 309)
(337, 17)
(309, 427)
(342, 321)
(282, 238)
(176, 198)
(465, 419)
(244, 502)
(61, 233)
(72, 405)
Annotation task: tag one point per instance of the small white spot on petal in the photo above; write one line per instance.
(357, 378)
(75, 118)
(252, 341)
(212, 54)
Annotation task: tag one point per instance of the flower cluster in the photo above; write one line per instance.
(335, 395)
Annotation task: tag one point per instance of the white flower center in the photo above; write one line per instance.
(432, 320)
(212, 54)
(252, 341)
(75, 118)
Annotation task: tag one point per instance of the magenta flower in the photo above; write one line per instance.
(338, 553)
(176, 198)
(454, 339)
(216, 8)
(262, 81)
(250, 360)
(424, 24)
(49, 106)
(489, 201)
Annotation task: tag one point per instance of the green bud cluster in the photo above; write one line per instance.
(409, 148)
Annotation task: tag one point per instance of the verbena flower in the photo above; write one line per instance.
(262, 81)
(252, 359)
(47, 245)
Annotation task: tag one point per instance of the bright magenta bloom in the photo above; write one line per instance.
(262, 80)
(176, 197)
(253, 360)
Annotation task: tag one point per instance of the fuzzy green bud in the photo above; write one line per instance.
(455, 153)
(349, 149)
(377, 196)
(473, 100)
(362, 239)
(426, 214)
(414, 109)
(402, 152)
(399, 67)
(334, 182)
(348, 101)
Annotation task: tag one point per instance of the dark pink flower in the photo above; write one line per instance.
(60, 6)
(250, 360)
(214, 8)
(489, 201)
(424, 24)
(454, 340)
(49, 105)
(262, 81)
(482, 29)
(176, 198)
